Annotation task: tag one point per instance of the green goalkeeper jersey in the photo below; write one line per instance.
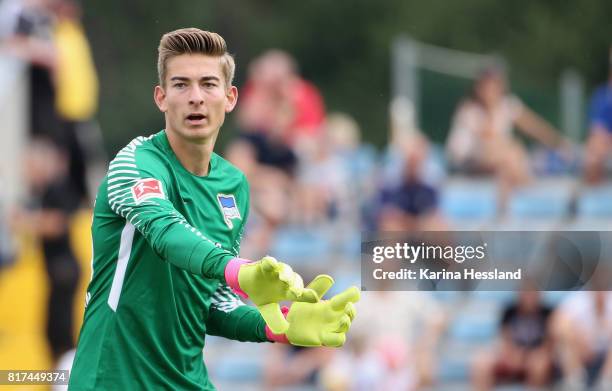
(161, 240)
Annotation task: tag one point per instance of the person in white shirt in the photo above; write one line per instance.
(481, 139)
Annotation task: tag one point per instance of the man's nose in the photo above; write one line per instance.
(196, 97)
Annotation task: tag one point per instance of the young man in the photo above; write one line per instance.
(167, 225)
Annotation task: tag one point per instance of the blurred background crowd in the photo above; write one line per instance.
(344, 124)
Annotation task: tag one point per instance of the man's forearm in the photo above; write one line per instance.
(244, 323)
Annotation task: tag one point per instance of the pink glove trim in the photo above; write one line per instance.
(280, 338)
(231, 275)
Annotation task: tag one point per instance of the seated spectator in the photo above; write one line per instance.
(600, 129)
(583, 328)
(481, 140)
(411, 203)
(523, 353)
(335, 175)
(402, 129)
(279, 113)
(278, 103)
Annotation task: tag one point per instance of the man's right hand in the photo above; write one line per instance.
(266, 283)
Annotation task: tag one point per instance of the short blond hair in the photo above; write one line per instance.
(194, 41)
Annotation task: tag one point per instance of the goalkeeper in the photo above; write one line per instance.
(166, 230)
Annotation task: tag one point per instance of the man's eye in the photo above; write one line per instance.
(180, 85)
(209, 85)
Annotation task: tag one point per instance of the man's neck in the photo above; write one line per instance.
(194, 156)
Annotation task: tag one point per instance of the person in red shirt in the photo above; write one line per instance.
(278, 102)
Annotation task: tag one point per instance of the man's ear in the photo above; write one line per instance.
(232, 98)
(159, 95)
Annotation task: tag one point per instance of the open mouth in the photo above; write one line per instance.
(196, 117)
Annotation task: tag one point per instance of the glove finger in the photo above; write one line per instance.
(285, 272)
(344, 324)
(333, 339)
(321, 284)
(269, 265)
(350, 295)
(274, 318)
(295, 288)
(350, 310)
(307, 296)
(289, 277)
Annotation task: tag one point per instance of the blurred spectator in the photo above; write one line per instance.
(402, 129)
(583, 328)
(410, 204)
(63, 85)
(481, 140)
(288, 365)
(600, 128)
(278, 111)
(335, 174)
(524, 351)
(271, 197)
(76, 96)
(48, 214)
(392, 346)
(277, 102)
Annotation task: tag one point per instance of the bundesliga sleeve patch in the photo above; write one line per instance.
(229, 208)
(147, 188)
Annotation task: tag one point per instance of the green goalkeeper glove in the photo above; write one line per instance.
(266, 283)
(320, 324)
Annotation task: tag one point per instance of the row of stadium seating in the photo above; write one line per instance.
(470, 202)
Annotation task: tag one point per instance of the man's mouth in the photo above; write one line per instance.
(196, 117)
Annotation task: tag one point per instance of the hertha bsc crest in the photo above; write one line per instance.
(229, 208)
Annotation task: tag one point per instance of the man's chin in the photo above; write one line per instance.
(197, 133)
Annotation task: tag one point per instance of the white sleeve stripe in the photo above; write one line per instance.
(131, 165)
(117, 201)
(117, 207)
(123, 178)
(130, 210)
(121, 165)
(113, 172)
(224, 299)
(113, 193)
(123, 194)
(116, 186)
(123, 159)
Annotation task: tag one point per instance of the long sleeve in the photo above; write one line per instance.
(137, 191)
(230, 318)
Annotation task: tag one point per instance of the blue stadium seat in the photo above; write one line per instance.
(473, 329)
(238, 369)
(453, 370)
(447, 296)
(500, 297)
(595, 202)
(350, 247)
(295, 245)
(469, 201)
(554, 298)
(545, 200)
(342, 281)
